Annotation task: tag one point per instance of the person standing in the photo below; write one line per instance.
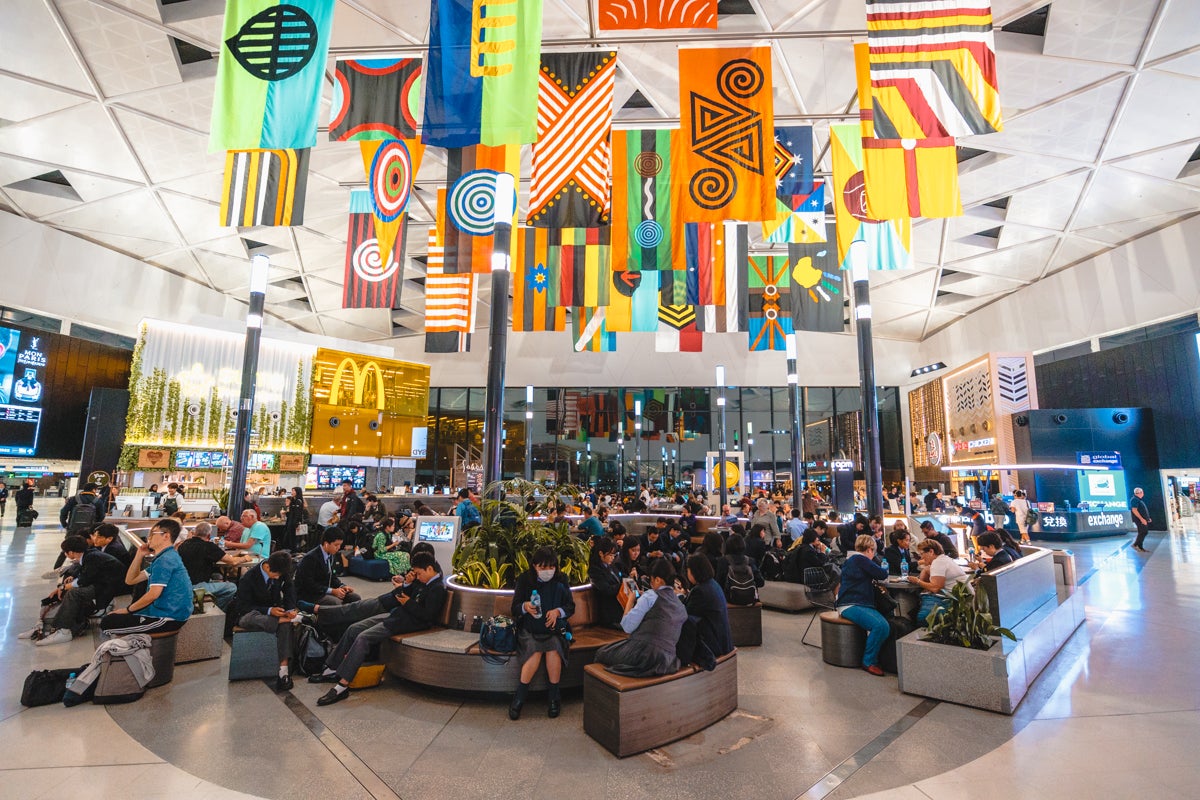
(1020, 512)
(1141, 518)
(3, 497)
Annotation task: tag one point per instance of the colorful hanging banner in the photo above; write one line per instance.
(531, 284)
(633, 301)
(818, 292)
(644, 216)
(371, 282)
(470, 205)
(580, 267)
(390, 166)
(481, 74)
(793, 160)
(731, 315)
(569, 184)
(264, 187)
(798, 218)
(449, 304)
(677, 331)
(890, 241)
(632, 15)
(589, 333)
(727, 124)
(768, 283)
(705, 274)
(269, 74)
(375, 98)
(933, 68)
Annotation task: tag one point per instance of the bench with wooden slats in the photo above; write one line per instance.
(631, 715)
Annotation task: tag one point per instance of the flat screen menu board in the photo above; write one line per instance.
(23, 359)
(332, 477)
(215, 459)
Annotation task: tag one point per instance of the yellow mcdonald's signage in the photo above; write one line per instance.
(360, 376)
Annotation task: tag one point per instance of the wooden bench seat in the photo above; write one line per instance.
(842, 642)
(631, 715)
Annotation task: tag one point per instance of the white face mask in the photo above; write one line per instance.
(545, 574)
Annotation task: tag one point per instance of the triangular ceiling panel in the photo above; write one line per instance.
(59, 139)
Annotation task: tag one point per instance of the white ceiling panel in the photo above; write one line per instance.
(1120, 196)
(57, 140)
(1099, 30)
(1153, 91)
(123, 55)
(30, 44)
(1072, 128)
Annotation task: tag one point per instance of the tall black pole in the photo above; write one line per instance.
(872, 470)
(259, 267)
(528, 430)
(793, 379)
(493, 436)
(721, 471)
(637, 446)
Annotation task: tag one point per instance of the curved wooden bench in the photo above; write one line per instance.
(842, 642)
(447, 658)
(632, 715)
(162, 655)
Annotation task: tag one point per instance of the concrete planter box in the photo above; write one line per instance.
(996, 679)
(992, 679)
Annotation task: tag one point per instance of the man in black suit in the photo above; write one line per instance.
(266, 601)
(413, 607)
(315, 582)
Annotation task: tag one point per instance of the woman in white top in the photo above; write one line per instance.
(938, 571)
(1020, 511)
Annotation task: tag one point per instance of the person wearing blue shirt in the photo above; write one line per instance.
(590, 528)
(168, 600)
(466, 510)
(856, 599)
(793, 529)
(257, 533)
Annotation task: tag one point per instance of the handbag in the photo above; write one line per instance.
(45, 687)
(498, 639)
(884, 603)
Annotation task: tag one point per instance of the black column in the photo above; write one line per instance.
(793, 379)
(497, 354)
(872, 470)
(245, 417)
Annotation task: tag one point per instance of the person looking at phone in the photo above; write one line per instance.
(541, 622)
(167, 602)
(631, 563)
(266, 601)
(606, 577)
(653, 621)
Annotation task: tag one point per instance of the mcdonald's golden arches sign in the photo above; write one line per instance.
(367, 406)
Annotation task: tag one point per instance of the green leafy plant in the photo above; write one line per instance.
(499, 549)
(221, 498)
(965, 620)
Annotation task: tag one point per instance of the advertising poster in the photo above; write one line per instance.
(23, 360)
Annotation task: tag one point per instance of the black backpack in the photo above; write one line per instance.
(82, 516)
(311, 651)
(44, 687)
(772, 566)
(739, 584)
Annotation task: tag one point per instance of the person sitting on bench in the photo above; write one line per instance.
(408, 611)
(107, 537)
(999, 554)
(201, 556)
(706, 606)
(316, 583)
(333, 620)
(540, 626)
(167, 602)
(856, 599)
(266, 601)
(653, 622)
(100, 575)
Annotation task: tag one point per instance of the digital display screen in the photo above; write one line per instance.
(23, 360)
(1105, 487)
(437, 530)
(216, 459)
(331, 477)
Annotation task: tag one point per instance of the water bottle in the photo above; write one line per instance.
(70, 681)
(904, 568)
(536, 600)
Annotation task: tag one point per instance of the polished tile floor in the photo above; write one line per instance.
(1115, 715)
